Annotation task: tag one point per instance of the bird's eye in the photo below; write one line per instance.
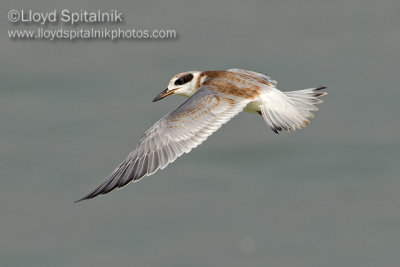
(179, 81)
(184, 79)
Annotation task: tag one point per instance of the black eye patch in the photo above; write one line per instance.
(184, 79)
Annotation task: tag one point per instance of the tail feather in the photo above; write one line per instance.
(290, 110)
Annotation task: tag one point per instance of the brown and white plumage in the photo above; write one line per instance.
(214, 98)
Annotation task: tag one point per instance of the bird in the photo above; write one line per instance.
(214, 97)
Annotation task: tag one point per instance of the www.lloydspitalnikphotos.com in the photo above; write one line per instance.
(66, 16)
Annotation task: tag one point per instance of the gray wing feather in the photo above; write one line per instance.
(176, 133)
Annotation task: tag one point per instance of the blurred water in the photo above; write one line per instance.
(323, 196)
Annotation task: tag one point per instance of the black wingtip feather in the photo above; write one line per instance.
(79, 200)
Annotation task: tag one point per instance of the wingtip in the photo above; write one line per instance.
(85, 198)
(79, 200)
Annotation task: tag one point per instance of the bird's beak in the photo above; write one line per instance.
(163, 94)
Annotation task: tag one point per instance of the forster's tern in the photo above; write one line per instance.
(214, 98)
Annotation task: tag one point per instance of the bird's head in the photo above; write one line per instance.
(185, 83)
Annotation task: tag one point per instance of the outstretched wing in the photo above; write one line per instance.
(256, 75)
(176, 133)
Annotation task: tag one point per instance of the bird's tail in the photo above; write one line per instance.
(290, 110)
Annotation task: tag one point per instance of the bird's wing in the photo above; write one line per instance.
(176, 133)
(256, 75)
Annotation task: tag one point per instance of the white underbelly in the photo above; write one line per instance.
(253, 107)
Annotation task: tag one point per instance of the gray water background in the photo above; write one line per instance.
(327, 195)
